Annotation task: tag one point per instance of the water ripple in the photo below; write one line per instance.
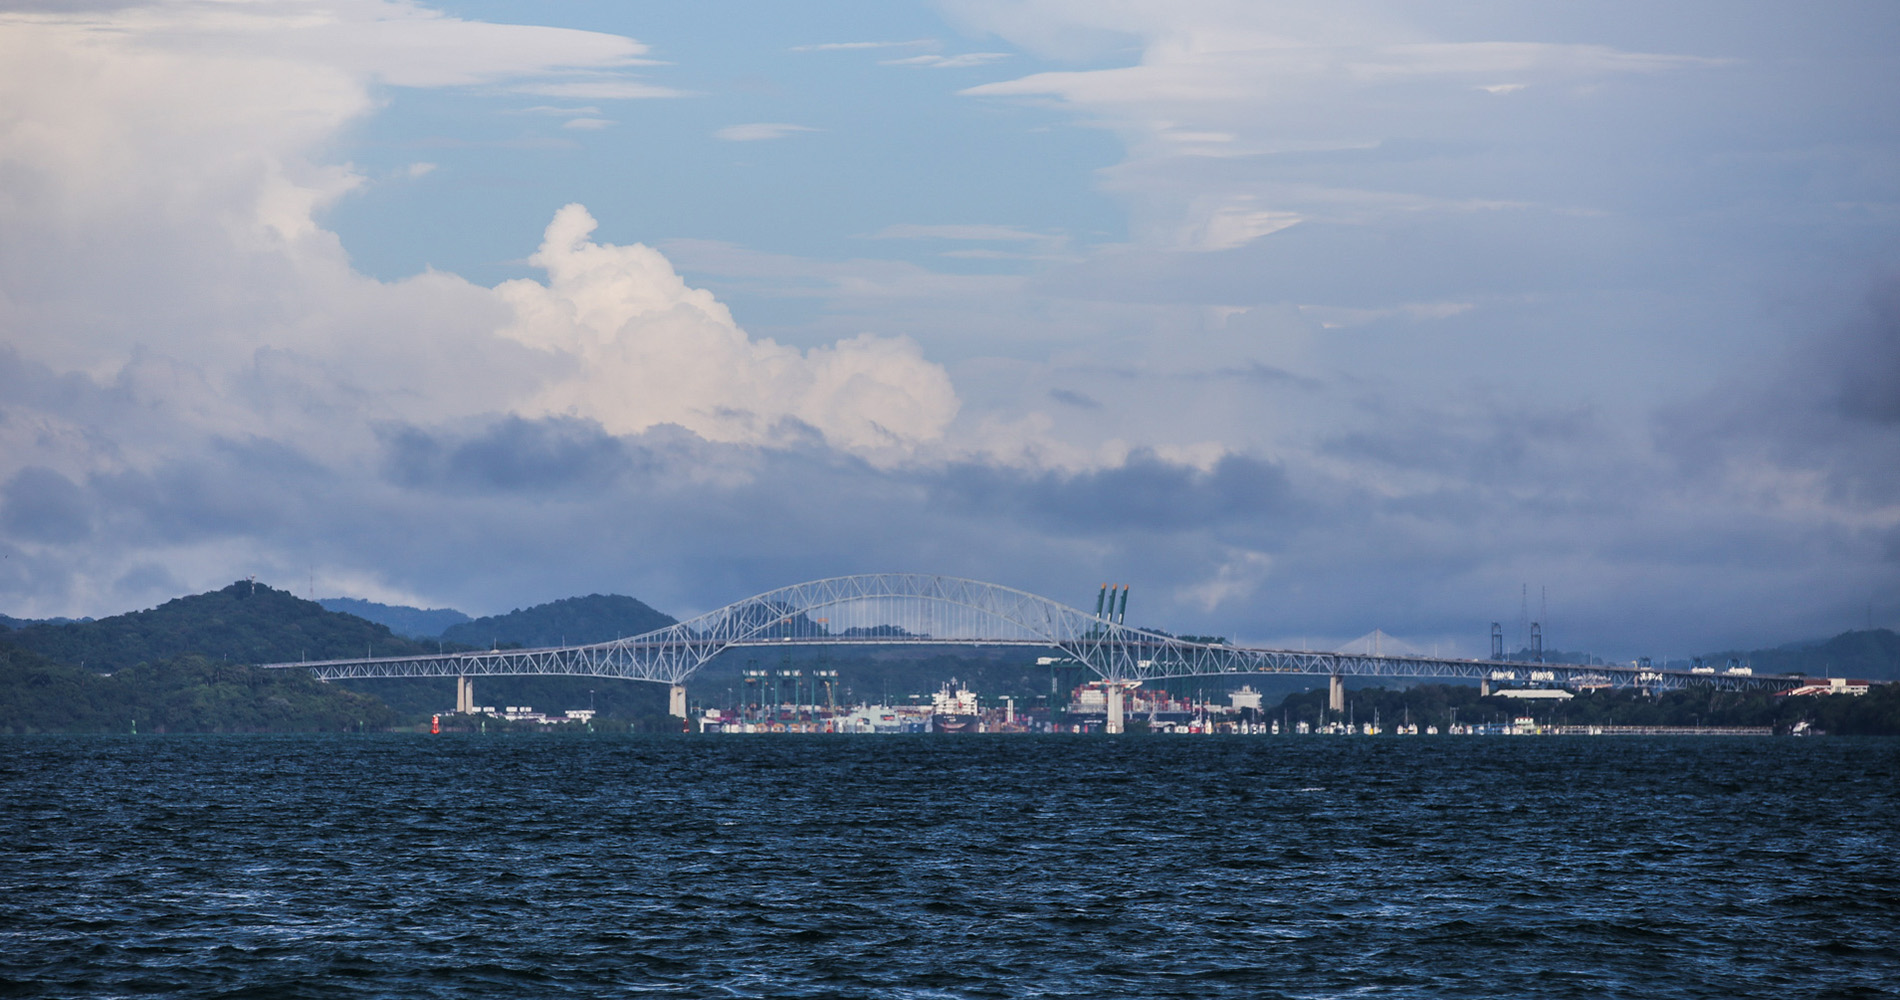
(919, 868)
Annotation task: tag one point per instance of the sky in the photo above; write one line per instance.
(1302, 319)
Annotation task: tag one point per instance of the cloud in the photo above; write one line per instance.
(963, 61)
(587, 124)
(1812, 434)
(610, 89)
(960, 232)
(644, 349)
(40, 505)
(760, 131)
(855, 46)
(1441, 383)
(512, 455)
(559, 111)
(1866, 358)
(1334, 317)
(1234, 224)
(1078, 400)
(1238, 89)
(195, 376)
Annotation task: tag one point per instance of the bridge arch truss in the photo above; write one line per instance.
(887, 609)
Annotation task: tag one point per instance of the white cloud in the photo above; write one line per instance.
(963, 61)
(642, 348)
(1233, 224)
(558, 111)
(1237, 577)
(760, 131)
(959, 232)
(854, 46)
(160, 228)
(598, 90)
(182, 339)
(1247, 83)
(587, 124)
(1333, 317)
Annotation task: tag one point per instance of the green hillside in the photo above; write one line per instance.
(189, 694)
(243, 623)
(573, 620)
(416, 623)
(1872, 654)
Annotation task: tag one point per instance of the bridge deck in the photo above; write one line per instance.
(911, 609)
(620, 659)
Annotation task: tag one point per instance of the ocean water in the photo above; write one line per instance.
(913, 867)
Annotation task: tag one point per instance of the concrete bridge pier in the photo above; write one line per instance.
(676, 702)
(1114, 722)
(1336, 694)
(1484, 688)
(464, 696)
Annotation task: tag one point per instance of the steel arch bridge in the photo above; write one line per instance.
(919, 609)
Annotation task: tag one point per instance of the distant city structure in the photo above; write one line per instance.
(1111, 660)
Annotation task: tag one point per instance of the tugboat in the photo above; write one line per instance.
(953, 710)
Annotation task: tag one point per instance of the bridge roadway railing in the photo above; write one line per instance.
(918, 609)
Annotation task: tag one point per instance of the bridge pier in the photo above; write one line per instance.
(1336, 694)
(1484, 687)
(676, 702)
(464, 696)
(1114, 721)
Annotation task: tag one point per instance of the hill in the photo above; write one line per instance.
(188, 694)
(243, 623)
(11, 622)
(1872, 654)
(416, 623)
(594, 618)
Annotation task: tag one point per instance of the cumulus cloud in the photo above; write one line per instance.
(1395, 411)
(644, 349)
(189, 360)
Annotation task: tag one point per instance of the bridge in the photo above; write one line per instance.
(889, 609)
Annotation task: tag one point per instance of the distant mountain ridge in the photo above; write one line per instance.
(1870, 654)
(570, 621)
(187, 666)
(416, 623)
(243, 623)
(8, 621)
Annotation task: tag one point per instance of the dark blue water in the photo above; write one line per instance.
(949, 867)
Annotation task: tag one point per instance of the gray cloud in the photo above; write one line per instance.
(510, 455)
(495, 515)
(1460, 340)
(1868, 358)
(1825, 411)
(40, 505)
(1078, 400)
(1143, 494)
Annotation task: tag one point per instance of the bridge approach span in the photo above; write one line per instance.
(918, 609)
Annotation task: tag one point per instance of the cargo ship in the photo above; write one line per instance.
(953, 710)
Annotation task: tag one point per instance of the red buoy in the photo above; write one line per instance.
(435, 723)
